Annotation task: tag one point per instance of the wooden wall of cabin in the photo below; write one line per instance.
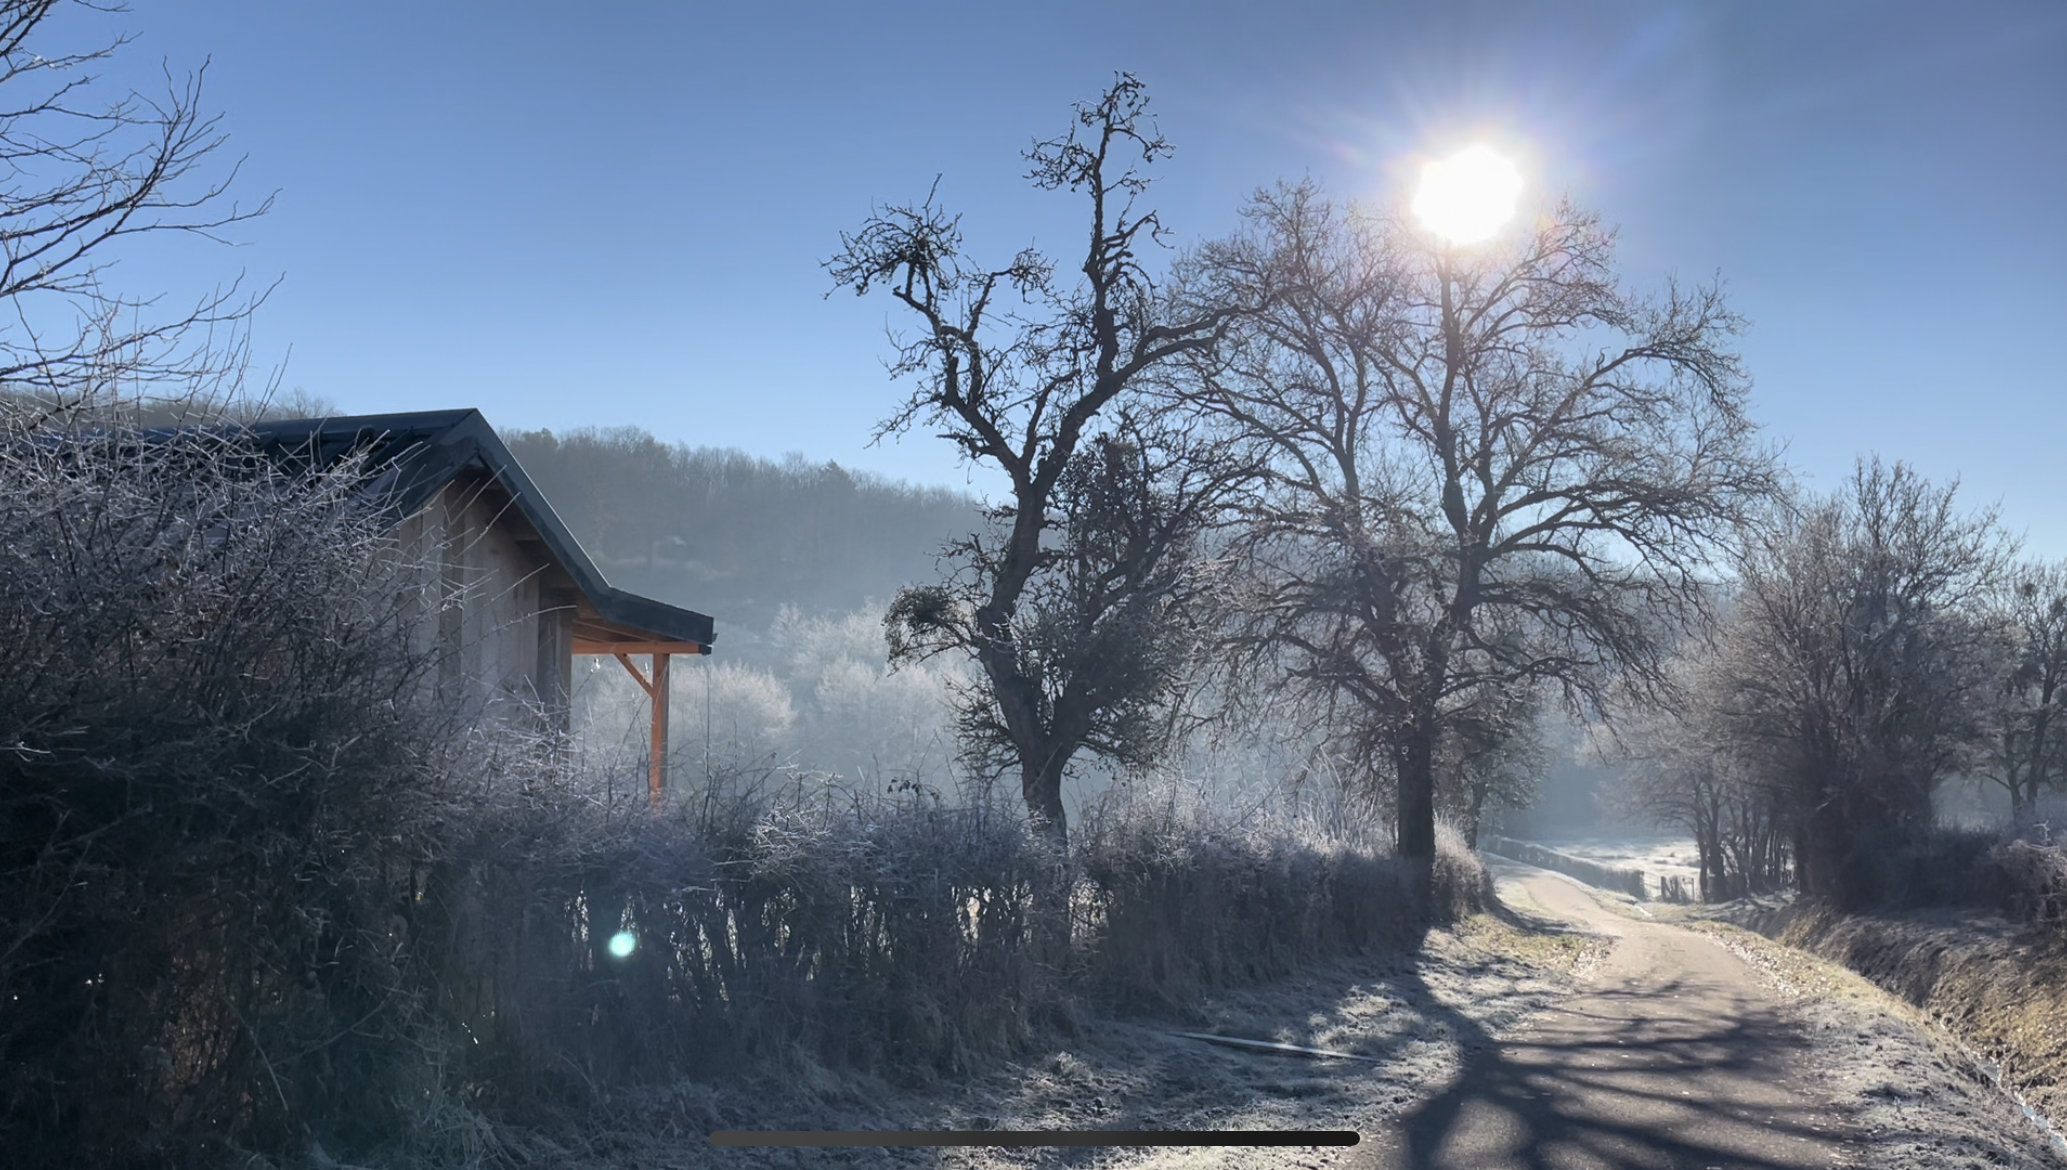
(503, 632)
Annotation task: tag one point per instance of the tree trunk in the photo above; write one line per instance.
(2034, 772)
(1708, 845)
(1416, 828)
(1040, 782)
(1475, 815)
(1804, 860)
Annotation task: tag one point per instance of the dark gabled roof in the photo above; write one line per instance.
(411, 457)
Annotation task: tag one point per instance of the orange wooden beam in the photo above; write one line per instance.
(598, 646)
(656, 693)
(632, 668)
(656, 780)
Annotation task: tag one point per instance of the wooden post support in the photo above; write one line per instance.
(656, 690)
(656, 780)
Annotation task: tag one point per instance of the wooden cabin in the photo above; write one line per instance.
(517, 597)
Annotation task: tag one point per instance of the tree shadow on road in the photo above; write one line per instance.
(1619, 1077)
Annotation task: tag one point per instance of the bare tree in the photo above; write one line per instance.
(1686, 767)
(1491, 755)
(1486, 467)
(1062, 604)
(85, 175)
(1861, 667)
(2026, 749)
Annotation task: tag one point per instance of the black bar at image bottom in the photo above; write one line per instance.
(1035, 1137)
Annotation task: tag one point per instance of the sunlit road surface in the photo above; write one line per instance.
(1672, 1055)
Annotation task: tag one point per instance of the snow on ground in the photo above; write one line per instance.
(1658, 857)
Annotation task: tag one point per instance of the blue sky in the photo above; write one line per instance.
(615, 213)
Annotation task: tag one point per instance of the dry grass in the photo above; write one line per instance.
(1916, 1097)
(2001, 989)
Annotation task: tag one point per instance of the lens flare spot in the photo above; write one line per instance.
(623, 943)
(1468, 196)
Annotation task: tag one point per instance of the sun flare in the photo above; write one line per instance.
(1468, 196)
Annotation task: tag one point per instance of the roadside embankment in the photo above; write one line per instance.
(1998, 987)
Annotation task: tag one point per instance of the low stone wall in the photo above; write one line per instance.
(1593, 873)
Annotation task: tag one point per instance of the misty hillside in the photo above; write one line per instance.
(736, 536)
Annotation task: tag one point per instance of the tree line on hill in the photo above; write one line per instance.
(737, 536)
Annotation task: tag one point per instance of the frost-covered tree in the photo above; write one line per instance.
(1861, 666)
(1487, 467)
(2025, 749)
(1071, 604)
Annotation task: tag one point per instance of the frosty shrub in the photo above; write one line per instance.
(1461, 884)
(218, 785)
(870, 935)
(1986, 869)
(1177, 896)
(901, 937)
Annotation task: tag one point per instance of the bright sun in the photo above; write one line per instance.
(1466, 197)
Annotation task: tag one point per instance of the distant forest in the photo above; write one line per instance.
(737, 536)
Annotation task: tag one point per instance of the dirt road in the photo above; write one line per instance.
(1673, 1055)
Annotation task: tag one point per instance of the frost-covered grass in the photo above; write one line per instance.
(810, 940)
(1412, 1016)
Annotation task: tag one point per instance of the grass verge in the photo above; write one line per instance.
(1997, 987)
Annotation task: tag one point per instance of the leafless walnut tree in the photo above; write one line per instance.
(1487, 466)
(85, 174)
(1066, 604)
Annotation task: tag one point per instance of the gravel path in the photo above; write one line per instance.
(1675, 1054)
(1709, 1046)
